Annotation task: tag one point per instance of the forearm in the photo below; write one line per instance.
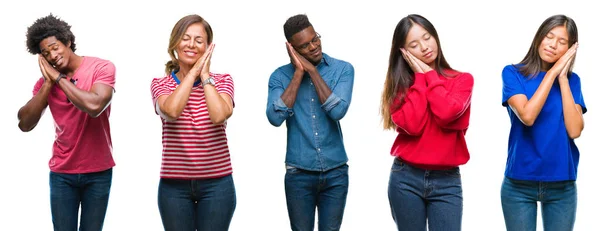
(323, 91)
(219, 109)
(86, 101)
(531, 109)
(291, 91)
(448, 104)
(572, 116)
(173, 105)
(412, 115)
(29, 115)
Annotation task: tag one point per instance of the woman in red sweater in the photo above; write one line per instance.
(428, 104)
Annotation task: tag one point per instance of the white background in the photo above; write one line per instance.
(477, 37)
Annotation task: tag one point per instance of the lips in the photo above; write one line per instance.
(58, 62)
(316, 53)
(428, 55)
(549, 52)
(190, 53)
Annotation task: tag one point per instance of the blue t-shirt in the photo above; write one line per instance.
(544, 151)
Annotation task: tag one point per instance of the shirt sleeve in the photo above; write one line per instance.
(511, 83)
(277, 111)
(224, 84)
(38, 85)
(575, 84)
(105, 74)
(448, 103)
(410, 115)
(338, 102)
(157, 89)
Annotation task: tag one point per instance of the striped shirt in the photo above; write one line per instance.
(193, 147)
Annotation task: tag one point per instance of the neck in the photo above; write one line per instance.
(74, 63)
(432, 65)
(545, 66)
(183, 71)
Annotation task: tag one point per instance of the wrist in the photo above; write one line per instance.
(58, 78)
(203, 76)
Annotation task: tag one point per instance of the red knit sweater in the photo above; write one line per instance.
(433, 120)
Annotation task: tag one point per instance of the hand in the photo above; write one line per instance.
(415, 64)
(565, 70)
(294, 58)
(205, 74)
(564, 61)
(50, 74)
(307, 65)
(198, 67)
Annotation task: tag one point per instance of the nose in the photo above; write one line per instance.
(554, 43)
(312, 46)
(53, 55)
(423, 47)
(191, 43)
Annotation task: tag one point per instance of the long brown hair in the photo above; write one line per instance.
(399, 75)
(177, 34)
(532, 63)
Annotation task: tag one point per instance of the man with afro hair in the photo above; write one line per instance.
(312, 94)
(78, 90)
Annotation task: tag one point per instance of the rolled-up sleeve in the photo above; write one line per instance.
(338, 102)
(277, 111)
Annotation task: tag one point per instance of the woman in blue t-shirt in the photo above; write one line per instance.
(545, 105)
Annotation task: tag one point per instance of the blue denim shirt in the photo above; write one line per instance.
(314, 135)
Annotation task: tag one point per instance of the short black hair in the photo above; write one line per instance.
(45, 27)
(295, 24)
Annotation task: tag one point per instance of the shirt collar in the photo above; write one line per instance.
(179, 81)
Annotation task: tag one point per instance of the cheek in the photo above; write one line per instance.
(562, 50)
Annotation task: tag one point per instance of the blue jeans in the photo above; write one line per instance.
(519, 204)
(307, 190)
(202, 204)
(68, 191)
(419, 197)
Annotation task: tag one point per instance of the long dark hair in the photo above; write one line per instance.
(532, 63)
(399, 75)
(177, 34)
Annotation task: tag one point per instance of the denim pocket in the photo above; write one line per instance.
(291, 170)
(343, 169)
(398, 165)
(455, 172)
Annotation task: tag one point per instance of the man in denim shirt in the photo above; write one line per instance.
(312, 94)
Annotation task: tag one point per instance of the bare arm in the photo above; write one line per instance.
(290, 93)
(92, 102)
(220, 105)
(29, 115)
(573, 113)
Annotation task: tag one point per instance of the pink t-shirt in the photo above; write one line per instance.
(83, 144)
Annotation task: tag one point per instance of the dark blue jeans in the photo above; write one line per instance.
(520, 198)
(202, 204)
(68, 191)
(307, 190)
(419, 197)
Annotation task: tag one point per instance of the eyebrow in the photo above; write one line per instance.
(424, 34)
(49, 45)
(199, 36)
(550, 32)
(306, 44)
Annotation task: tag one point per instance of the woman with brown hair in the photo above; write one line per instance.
(196, 190)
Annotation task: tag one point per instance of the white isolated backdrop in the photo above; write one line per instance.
(479, 37)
